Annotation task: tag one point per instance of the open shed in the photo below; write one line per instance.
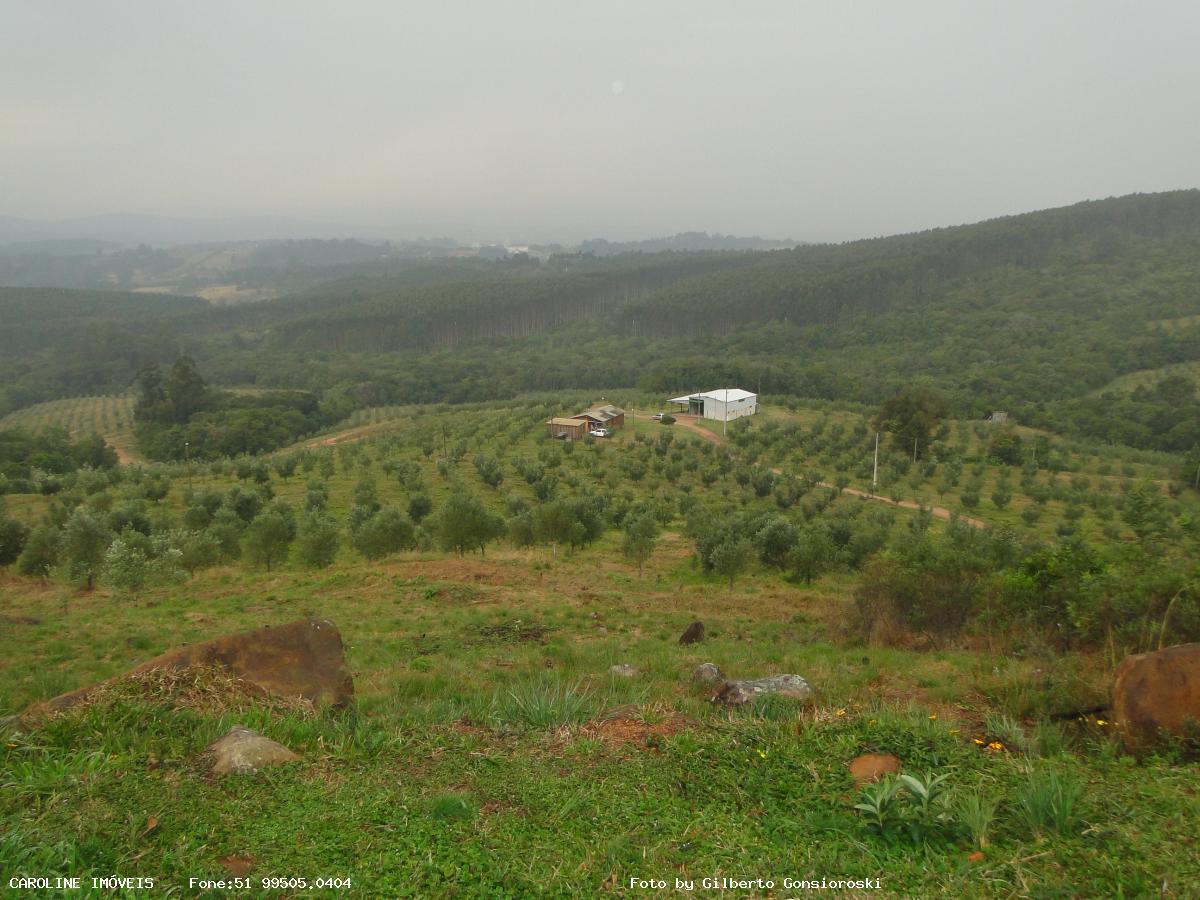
(721, 405)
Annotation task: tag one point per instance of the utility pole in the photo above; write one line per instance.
(914, 449)
(875, 472)
(187, 457)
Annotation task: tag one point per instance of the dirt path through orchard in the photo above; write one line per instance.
(689, 423)
(354, 434)
(123, 456)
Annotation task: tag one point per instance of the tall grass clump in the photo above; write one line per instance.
(1047, 802)
(542, 704)
(1007, 730)
(977, 812)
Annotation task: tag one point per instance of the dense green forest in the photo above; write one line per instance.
(1034, 314)
(179, 417)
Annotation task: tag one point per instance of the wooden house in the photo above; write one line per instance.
(604, 416)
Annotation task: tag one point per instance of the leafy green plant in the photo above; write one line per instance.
(881, 806)
(908, 805)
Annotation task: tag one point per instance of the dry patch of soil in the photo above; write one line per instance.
(624, 726)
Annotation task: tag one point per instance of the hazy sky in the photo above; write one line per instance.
(814, 120)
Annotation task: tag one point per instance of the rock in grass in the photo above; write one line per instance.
(707, 673)
(243, 750)
(1157, 691)
(623, 670)
(694, 633)
(739, 693)
(302, 660)
(873, 766)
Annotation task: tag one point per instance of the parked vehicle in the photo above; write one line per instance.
(657, 417)
(600, 432)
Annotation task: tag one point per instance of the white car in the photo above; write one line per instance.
(657, 417)
(600, 432)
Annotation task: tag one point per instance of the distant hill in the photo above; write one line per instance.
(684, 242)
(161, 231)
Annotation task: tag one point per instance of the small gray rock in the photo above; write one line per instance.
(243, 750)
(707, 673)
(738, 693)
(624, 670)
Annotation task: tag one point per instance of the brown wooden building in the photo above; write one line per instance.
(604, 417)
(572, 429)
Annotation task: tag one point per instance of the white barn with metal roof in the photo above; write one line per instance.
(722, 404)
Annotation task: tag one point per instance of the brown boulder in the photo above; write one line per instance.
(301, 660)
(694, 633)
(1159, 690)
(873, 766)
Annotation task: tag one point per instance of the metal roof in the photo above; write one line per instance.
(573, 423)
(603, 413)
(721, 394)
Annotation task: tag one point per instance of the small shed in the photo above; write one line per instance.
(604, 416)
(999, 417)
(572, 429)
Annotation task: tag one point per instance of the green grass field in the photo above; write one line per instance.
(493, 753)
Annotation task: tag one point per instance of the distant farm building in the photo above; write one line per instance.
(722, 405)
(571, 429)
(604, 416)
(999, 417)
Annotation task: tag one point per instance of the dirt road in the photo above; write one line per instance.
(689, 422)
(940, 512)
(353, 434)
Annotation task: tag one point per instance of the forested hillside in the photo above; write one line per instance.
(1035, 314)
(518, 301)
(59, 343)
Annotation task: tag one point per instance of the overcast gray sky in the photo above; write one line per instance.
(814, 120)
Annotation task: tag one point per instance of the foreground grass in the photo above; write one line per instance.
(406, 808)
(492, 753)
